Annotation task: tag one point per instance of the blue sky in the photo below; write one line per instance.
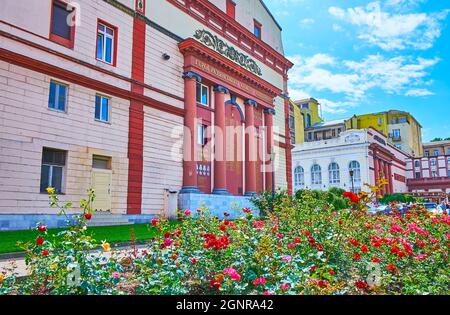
(358, 56)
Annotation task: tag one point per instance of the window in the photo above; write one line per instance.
(418, 175)
(333, 133)
(101, 162)
(402, 120)
(310, 136)
(356, 168)
(380, 121)
(436, 152)
(339, 131)
(292, 128)
(231, 9)
(257, 30)
(432, 162)
(448, 151)
(433, 174)
(102, 108)
(316, 175)
(58, 96)
(299, 177)
(398, 146)
(448, 161)
(201, 134)
(52, 169)
(427, 153)
(106, 43)
(396, 133)
(334, 174)
(448, 173)
(416, 163)
(61, 31)
(305, 106)
(308, 120)
(202, 94)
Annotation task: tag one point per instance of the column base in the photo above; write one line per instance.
(251, 194)
(190, 190)
(220, 192)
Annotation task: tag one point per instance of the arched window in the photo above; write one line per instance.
(356, 168)
(417, 163)
(299, 177)
(334, 174)
(316, 175)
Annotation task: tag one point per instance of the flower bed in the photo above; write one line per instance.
(303, 247)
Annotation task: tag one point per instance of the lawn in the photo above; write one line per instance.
(113, 234)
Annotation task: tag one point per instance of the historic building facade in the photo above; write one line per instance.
(349, 161)
(429, 176)
(130, 97)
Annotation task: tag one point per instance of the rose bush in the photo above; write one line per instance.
(303, 246)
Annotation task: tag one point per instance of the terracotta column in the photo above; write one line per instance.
(270, 167)
(190, 136)
(391, 182)
(376, 169)
(386, 175)
(220, 143)
(250, 148)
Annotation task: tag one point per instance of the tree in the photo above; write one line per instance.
(437, 139)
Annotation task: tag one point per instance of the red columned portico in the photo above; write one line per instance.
(382, 160)
(224, 77)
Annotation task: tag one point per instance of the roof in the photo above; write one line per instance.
(436, 143)
(330, 123)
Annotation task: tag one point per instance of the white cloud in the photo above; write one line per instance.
(419, 92)
(307, 22)
(393, 30)
(337, 27)
(352, 80)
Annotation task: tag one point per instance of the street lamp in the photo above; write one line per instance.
(353, 183)
(272, 159)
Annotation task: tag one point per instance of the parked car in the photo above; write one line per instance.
(433, 207)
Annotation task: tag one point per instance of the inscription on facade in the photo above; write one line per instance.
(214, 42)
(233, 81)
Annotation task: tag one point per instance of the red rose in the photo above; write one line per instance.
(364, 249)
(154, 222)
(223, 228)
(312, 269)
(193, 260)
(188, 212)
(361, 284)
(45, 253)
(296, 240)
(42, 228)
(246, 210)
(88, 216)
(331, 272)
(354, 242)
(356, 257)
(376, 260)
(351, 196)
(390, 267)
(40, 241)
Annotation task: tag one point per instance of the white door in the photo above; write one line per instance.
(101, 183)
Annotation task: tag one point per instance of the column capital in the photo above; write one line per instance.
(221, 88)
(250, 102)
(270, 111)
(192, 75)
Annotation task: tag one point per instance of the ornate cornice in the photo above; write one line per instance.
(214, 42)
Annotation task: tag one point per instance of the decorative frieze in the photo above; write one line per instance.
(214, 42)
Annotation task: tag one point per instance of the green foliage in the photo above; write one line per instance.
(390, 198)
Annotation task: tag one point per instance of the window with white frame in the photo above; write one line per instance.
(57, 99)
(316, 175)
(106, 42)
(356, 168)
(433, 162)
(201, 134)
(299, 177)
(102, 108)
(202, 94)
(436, 152)
(334, 173)
(52, 169)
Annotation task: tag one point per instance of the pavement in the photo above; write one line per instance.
(17, 264)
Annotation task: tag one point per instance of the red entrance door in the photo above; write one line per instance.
(234, 153)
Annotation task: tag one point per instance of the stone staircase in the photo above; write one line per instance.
(108, 219)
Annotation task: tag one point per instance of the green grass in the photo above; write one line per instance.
(113, 234)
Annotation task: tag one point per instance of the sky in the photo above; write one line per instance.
(359, 57)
